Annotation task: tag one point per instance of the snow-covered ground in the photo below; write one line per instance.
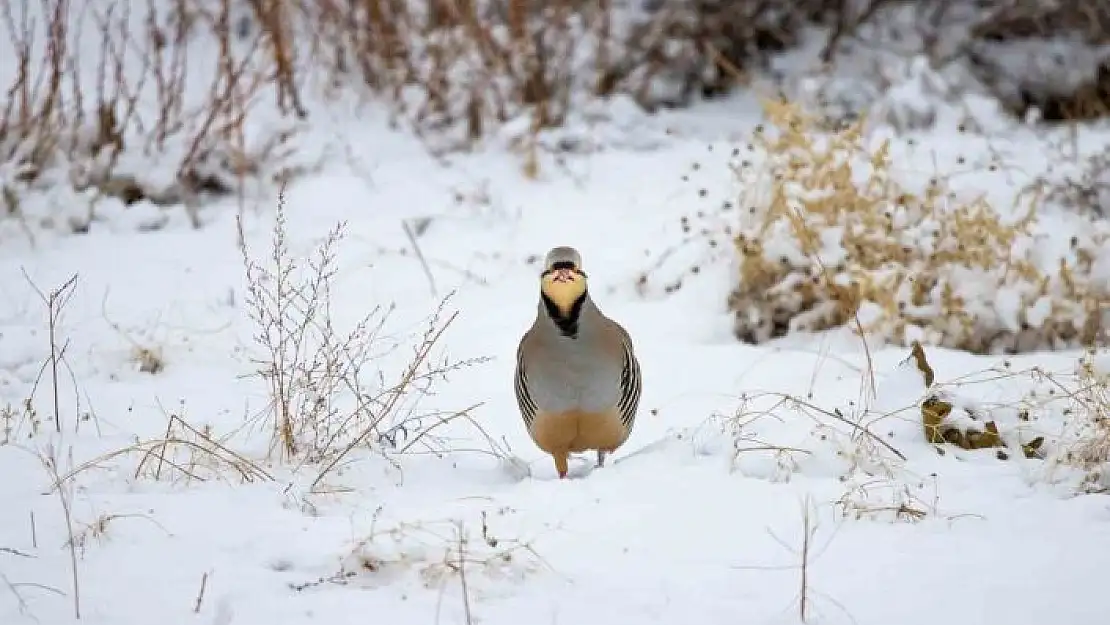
(745, 462)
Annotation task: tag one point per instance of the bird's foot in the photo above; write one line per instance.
(562, 464)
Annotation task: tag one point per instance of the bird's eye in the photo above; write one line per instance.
(563, 264)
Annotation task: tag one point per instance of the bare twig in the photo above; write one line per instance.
(803, 590)
(200, 593)
(49, 461)
(412, 236)
(15, 552)
(462, 573)
(55, 302)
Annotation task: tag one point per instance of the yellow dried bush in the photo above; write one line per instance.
(830, 237)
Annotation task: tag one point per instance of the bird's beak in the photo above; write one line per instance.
(563, 275)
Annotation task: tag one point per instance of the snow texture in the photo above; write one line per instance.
(699, 518)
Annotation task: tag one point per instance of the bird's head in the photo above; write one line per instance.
(563, 281)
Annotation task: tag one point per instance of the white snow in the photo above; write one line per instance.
(698, 519)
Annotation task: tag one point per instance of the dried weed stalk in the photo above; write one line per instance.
(55, 302)
(807, 552)
(50, 459)
(50, 453)
(328, 392)
(102, 90)
(831, 238)
(184, 453)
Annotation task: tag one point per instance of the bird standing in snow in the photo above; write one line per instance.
(577, 378)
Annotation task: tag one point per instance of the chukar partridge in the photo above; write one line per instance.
(577, 378)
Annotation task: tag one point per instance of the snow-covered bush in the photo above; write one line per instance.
(906, 61)
(130, 107)
(1050, 56)
(832, 237)
(459, 69)
(137, 106)
(134, 107)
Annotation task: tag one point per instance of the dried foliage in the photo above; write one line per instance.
(1040, 60)
(1060, 417)
(328, 391)
(831, 238)
(114, 104)
(1044, 38)
(132, 102)
(440, 551)
(1085, 443)
(469, 66)
(185, 453)
(877, 483)
(945, 421)
(102, 90)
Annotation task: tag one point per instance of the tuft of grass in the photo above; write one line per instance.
(1084, 444)
(440, 552)
(831, 239)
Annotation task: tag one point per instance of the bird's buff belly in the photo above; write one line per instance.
(577, 430)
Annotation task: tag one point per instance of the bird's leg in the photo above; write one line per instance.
(561, 463)
(601, 458)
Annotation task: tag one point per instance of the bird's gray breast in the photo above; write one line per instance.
(574, 376)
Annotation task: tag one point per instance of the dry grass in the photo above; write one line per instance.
(1053, 425)
(51, 454)
(101, 91)
(474, 64)
(1092, 447)
(1061, 419)
(832, 238)
(329, 394)
(806, 553)
(876, 481)
(439, 551)
(1084, 443)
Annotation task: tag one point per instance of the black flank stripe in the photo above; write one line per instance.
(524, 399)
(631, 388)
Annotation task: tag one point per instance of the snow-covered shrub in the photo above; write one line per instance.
(1050, 56)
(153, 104)
(459, 70)
(905, 94)
(113, 108)
(1053, 57)
(831, 237)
